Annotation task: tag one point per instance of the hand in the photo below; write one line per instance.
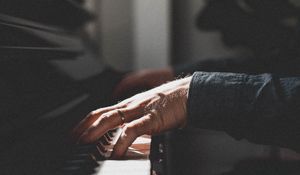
(144, 79)
(150, 112)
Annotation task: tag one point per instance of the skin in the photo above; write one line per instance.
(150, 112)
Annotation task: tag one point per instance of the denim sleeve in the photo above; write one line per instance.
(261, 108)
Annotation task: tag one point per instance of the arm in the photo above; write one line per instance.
(261, 108)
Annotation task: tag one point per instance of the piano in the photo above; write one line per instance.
(42, 42)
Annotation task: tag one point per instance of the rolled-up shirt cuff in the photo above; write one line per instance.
(222, 101)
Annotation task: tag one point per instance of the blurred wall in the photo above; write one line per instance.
(116, 20)
(188, 42)
(151, 33)
(137, 34)
(134, 34)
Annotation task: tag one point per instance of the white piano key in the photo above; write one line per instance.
(123, 167)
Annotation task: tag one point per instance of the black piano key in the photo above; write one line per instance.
(104, 140)
(85, 148)
(108, 137)
(77, 170)
(79, 156)
(97, 154)
(85, 157)
(71, 168)
(101, 147)
(82, 162)
(110, 134)
(82, 156)
(92, 151)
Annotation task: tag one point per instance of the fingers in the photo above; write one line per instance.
(104, 123)
(89, 120)
(108, 121)
(130, 132)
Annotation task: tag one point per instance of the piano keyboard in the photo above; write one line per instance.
(93, 158)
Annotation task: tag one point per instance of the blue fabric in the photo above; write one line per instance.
(262, 108)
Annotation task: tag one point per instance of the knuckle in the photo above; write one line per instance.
(161, 95)
(105, 118)
(152, 115)
(91, 114)
(157, 122)
(95, 112)
(114, 113)
(123, 103)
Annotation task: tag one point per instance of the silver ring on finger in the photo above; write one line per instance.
(122, 116)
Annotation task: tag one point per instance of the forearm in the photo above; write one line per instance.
(261, 108)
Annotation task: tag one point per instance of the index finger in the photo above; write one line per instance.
(89, 120)
(108, 121)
